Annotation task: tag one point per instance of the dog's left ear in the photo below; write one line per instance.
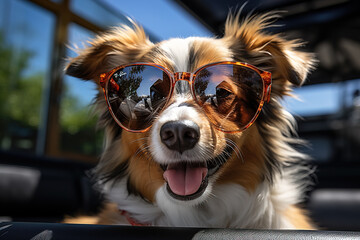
(119, 46)
(250, 43)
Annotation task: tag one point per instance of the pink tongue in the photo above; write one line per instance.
(184, 179)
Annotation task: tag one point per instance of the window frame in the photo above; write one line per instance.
(49, 142)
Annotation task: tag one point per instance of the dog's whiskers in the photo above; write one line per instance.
(139, 139)
(141, 150)
(223, 120)
(230, 143)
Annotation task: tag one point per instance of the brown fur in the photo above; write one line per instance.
(248, 173)
(109, 215)
(145, 174)
(119, 46)
(299, 218)
(259, 152)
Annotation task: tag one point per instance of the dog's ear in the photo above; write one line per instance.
(119, 46)
(249, 42)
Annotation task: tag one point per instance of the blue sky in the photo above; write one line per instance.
(315, 100)
(164, 18)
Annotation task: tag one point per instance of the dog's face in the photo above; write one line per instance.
(183, 155)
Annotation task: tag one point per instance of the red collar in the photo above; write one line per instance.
(132, 221)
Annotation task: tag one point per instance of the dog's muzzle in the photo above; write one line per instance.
(184, 179)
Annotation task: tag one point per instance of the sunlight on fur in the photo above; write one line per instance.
(243, 179)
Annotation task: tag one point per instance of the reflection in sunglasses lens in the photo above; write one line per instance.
(136, 94)
(230, 94)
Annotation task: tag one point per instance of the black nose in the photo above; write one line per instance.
(180, 135)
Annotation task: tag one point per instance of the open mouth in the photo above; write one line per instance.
(188, 180)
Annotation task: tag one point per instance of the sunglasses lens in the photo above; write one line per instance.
(230, 95)
(136, 94)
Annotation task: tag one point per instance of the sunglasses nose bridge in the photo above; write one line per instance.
(183, 81)
(185, 76)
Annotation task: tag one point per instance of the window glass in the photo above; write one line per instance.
(94, 10)
(26, 33)
(103, 14)
(320, 99)
(167, 19)
(330, 119)
(319, 147)
(77, 120)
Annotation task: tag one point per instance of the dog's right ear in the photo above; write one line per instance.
(119, 46)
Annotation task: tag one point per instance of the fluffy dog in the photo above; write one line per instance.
(189, 167)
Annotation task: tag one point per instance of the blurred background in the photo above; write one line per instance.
(48, 140)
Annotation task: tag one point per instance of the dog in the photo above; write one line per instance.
(195, 131)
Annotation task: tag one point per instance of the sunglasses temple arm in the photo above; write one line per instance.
(266, 76)
(103, 78)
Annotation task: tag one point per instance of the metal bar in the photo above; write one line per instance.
(57, 8)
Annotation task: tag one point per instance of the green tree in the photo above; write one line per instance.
(20, 97)
(74, 115)
(12, 83)
(20, 105)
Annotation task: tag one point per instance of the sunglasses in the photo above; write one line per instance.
(231, 94)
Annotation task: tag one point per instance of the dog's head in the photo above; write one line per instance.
(183, 152)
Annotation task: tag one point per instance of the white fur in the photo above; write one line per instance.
(228, 205)
(200, 152)
(177, 50)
